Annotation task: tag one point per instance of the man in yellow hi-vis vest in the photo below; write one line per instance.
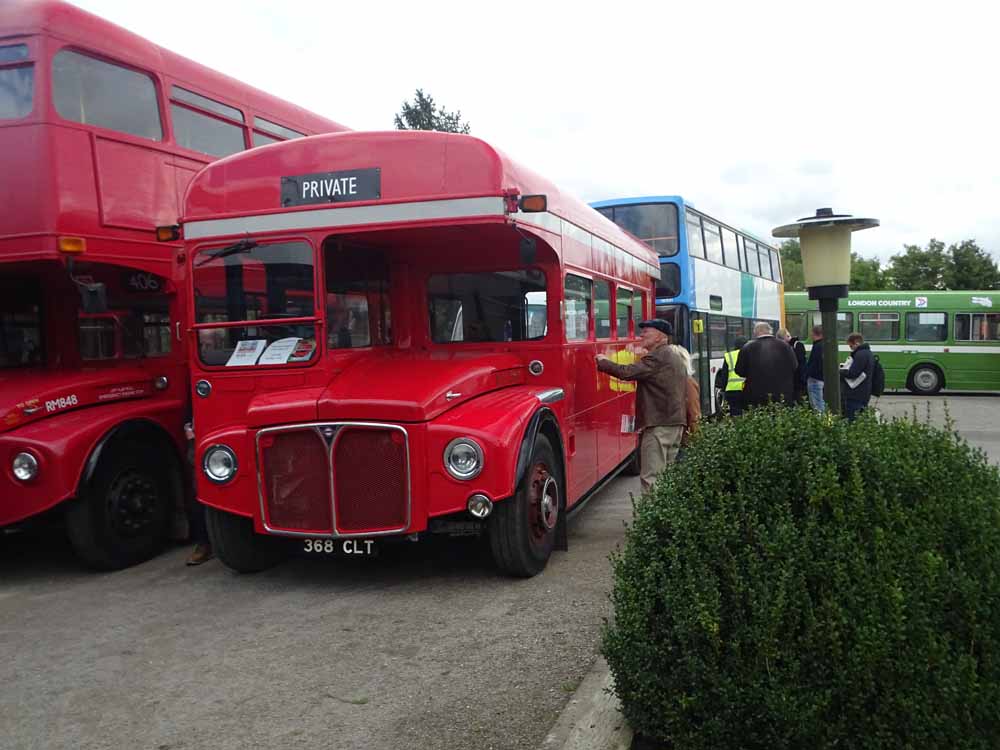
(727, 380)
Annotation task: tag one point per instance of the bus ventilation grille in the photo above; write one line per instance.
(296, 481)
(371, 481)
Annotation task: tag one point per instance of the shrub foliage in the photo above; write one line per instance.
(801, 582)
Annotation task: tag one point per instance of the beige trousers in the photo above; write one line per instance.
(658, 447)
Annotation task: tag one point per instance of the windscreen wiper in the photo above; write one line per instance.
(243, 246)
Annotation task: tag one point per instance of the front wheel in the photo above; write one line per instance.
(121, 517)
(926, 380)
(522, 529)
(238, 546)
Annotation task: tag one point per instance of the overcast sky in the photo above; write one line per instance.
(756, 112)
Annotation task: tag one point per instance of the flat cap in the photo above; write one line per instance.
(660, 325)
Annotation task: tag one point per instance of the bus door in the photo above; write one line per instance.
(700, 360)
(717, 330)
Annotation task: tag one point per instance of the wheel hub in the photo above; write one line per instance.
(133, 499)
(543, 502)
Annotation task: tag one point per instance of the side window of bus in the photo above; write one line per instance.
(775, 266)
(602, 309)
(734, 328)
(696, 243)
(926, 326)
(752, 259)
(578, 295)
(17, 82)
(275, 132)
(879, 326)
(845, 324)
(357, 297)
(196, 129)
(729, 249)
(623, 312)
(797, 325)
(713, 242)
(765, 261)
(977, 326)
(94, 92)
(638, 310)
(487, 306)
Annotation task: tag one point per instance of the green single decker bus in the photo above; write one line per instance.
(925, 341)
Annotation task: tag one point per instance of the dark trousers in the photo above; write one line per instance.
(735, 401)
(852, 407)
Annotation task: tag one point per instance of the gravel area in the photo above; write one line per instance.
(424, 647)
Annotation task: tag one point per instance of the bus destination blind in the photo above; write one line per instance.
(332, 187)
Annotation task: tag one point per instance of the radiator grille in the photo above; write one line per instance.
(296, 481)
(370, 480)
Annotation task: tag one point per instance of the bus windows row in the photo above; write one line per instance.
(723, 330)
(722, 245)
(92, 91)
(656, 224)
(917, 327)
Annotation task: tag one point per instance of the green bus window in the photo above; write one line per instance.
(926, 326)
(845, 324)
(977, 327)
(879, 326)
(797, 325)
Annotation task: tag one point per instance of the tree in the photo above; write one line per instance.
(971, 267)
(917, 268)
(866, 273)
(791, 265)
(424, 114)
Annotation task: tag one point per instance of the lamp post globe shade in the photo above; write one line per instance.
(825, 240)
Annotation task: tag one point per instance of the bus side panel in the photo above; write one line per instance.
(582, 418)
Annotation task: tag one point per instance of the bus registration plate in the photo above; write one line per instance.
(352, 547)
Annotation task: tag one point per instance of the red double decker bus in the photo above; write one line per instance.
(100, 134)
(395, 334)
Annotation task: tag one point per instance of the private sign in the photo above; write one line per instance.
(332, 187)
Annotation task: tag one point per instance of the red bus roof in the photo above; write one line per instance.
(76, 26)
(415, 166)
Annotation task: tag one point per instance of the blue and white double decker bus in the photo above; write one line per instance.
(715, 280)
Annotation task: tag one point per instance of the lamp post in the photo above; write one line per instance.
(825, 240)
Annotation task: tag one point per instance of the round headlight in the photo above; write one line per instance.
(219, 463)
(463, 458)
(25, 467)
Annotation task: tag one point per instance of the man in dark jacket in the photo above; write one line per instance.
(856, 375)
(799, 350)
(814, 371)
(768, 365)
(660, 399)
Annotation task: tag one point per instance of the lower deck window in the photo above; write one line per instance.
(879, 326)
(926, 326)
(20, 323)
(977, 326)
(493, 306)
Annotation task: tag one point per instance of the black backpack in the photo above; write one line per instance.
(878, 378)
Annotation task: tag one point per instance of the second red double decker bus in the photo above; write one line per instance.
(395, 333)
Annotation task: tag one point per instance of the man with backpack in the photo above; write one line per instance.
(859, 377)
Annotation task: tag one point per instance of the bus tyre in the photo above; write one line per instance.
(238, 546)
(522, 529)
(925, 380)
(121, 517)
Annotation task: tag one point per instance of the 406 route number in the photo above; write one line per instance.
(346, 546)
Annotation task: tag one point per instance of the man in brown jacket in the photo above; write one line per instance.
(661, 397)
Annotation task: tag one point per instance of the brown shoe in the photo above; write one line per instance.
(201, 553)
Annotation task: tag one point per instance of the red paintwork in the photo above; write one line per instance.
(406, 383)
(61, 178)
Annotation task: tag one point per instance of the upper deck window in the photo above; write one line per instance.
(276, 130)
(775, 266)
(94, 92)
(729, 248)
(17, 83)
(247, 282)
(751, 257)
(203, 102)
(653, 223)
(200, 131)
(696, 243)
(496, 306)
(713, 242)
(20, 323)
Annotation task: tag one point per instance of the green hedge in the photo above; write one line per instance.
(801, 582)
